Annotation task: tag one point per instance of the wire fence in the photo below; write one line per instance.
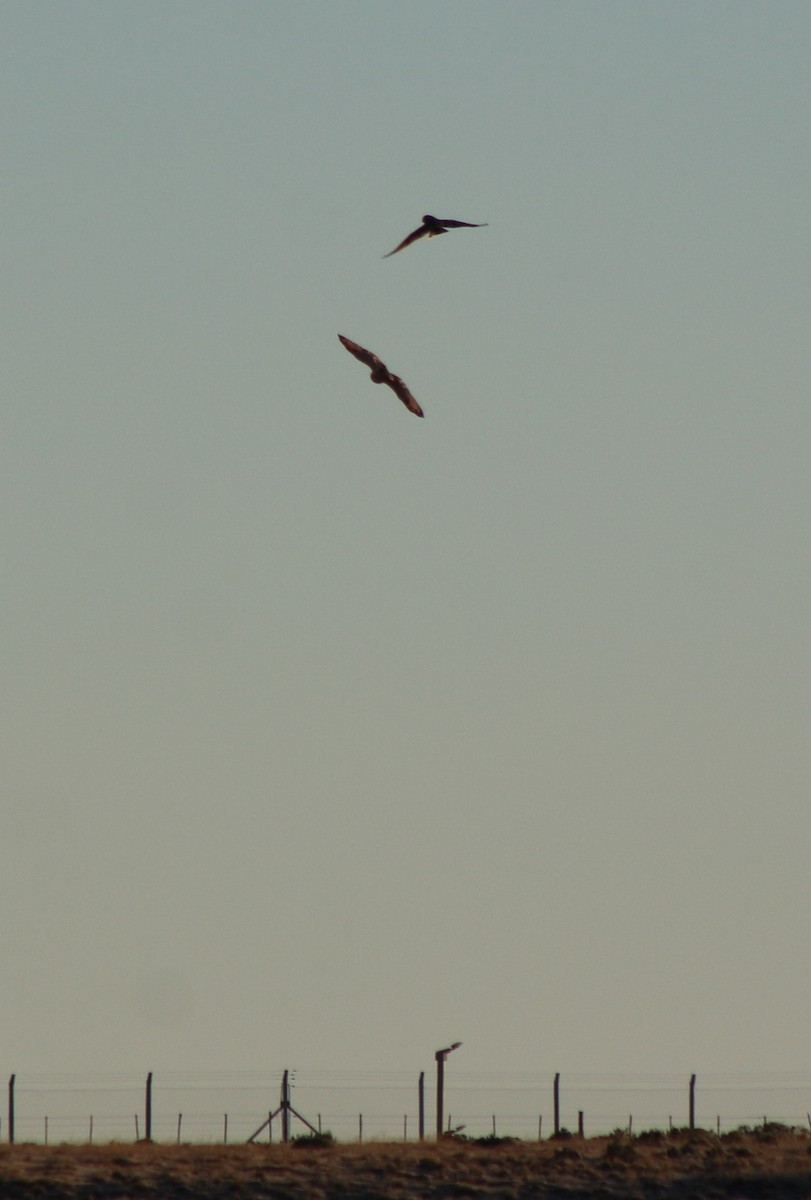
(230, 1108)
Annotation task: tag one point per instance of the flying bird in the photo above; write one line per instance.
(432, 227)
(382, 374)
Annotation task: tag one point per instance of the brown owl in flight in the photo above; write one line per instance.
(382, 374)
(432, 227)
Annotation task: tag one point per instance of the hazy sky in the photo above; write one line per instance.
(331, 735)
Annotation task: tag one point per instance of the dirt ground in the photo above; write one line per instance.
(654, 1166)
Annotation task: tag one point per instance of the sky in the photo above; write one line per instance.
(332, 736)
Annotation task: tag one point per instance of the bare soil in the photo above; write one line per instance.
(684, 1165)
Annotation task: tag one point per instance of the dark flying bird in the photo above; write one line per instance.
(432, 227)
(382, 374)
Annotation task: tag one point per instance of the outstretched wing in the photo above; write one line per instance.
(401, 391)
(382, 374)
(458, 224)
(365, 356)
(412, 237)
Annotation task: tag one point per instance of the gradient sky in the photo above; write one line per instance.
(330, 735)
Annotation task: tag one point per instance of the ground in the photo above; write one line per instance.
(683, 1165)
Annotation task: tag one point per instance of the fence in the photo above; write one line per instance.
(236, 1107)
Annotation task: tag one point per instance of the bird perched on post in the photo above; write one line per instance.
(380, 373)
(432, 227)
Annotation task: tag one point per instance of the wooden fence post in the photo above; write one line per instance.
(440, 1088)
(9, 1133)
(148, 1108)
(286, 1106)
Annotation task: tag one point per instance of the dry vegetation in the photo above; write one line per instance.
(653, 1166)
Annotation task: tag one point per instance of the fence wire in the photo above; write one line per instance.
(229, 1107)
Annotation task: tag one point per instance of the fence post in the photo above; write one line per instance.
(148, 1108)
(225, 1129)
(440, 1088)
(9, 1133)
(286, 1106)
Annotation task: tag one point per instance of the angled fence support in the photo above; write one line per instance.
(286, 1109)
